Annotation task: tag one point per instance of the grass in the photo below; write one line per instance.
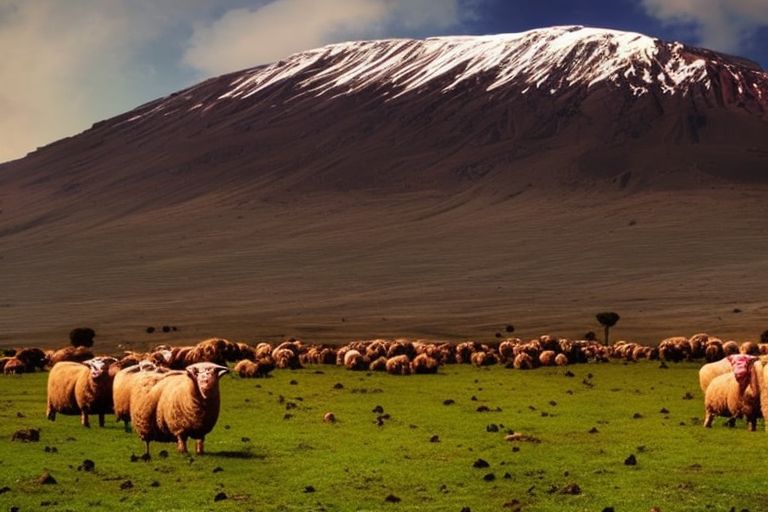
(263, 461)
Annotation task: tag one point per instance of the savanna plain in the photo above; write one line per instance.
(593, 437)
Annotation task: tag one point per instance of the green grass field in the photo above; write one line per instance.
(263, 460)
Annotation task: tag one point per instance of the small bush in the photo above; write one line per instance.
(82, 337)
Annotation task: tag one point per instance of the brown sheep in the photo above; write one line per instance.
(378, 365)
(711, 370)
(547, 358)
(748, 347)
(285, 358)
(423, 363)
(399, 365)
(123, 387)
(354, 360)
(561, 360)
(248, 369)
(73, 354)
(33, 359)
(735, 394)
(14, 366)
(80, 388)
(179, 406)
(730, 348)
(523, 361)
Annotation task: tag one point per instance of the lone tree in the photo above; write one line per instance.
(607, 319)
(82, 337)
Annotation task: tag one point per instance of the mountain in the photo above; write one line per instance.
(441, 187)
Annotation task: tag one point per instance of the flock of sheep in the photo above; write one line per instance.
(172, 393)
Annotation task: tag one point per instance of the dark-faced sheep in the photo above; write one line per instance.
(735, 394)
(354, 360)
(14, 366)
(179, 406)
(80, 388)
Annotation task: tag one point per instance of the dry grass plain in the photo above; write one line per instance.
(337, 267)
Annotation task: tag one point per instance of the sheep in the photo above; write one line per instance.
(399, 365)
(735, 394)
(711, 370)
(561, 360)
(378, 365)
(547, 358)
(423, 363)
(80, 388)
(248, 369)
(124, 384)
(14, 366)
(73, 354)
(523, 361)
(285, 358)
(179, 406)
(730, 348)
(748, 347)
(354, 360)
(33, 358)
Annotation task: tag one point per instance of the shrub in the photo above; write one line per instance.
(82, 337)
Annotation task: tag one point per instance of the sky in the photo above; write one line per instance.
(65, 64)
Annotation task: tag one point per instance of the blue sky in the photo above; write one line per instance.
(67, 64)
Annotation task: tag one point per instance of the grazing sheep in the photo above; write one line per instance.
(14, 366)
(354, 360)
(523, 361)
(33, 359)
(248, 369)
(423, 363)
(399, 365)
(378, 365)
(735, 394)
(561, 360)
(286, 358)
(179, 406)
(547, 358)
(80, 388)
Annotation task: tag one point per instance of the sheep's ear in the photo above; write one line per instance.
(109, 360)
(221, 370)
(192, 371)
(89, 363)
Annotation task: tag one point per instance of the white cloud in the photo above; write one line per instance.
(723, 25)
(64, 65)
(244, 38)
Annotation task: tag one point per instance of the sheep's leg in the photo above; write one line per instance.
(127, 426)
(84, 419)
(752, 424)
(146, 453)
(181, 444)
(101, 420)
(199, 446)
(50, 412)
(709, 419)
(731, 421)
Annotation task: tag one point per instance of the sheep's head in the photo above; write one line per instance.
(206, 376)
(99, 366)
(742, 365)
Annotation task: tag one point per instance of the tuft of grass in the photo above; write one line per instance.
(397, 446)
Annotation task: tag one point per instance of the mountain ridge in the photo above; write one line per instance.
(448, 210)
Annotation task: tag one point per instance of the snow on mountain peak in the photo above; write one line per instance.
(548, 59)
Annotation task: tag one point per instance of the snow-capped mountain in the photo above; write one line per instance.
(408, 186)
(565, 104)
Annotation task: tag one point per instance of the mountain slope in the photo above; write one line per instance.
(436, 187)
